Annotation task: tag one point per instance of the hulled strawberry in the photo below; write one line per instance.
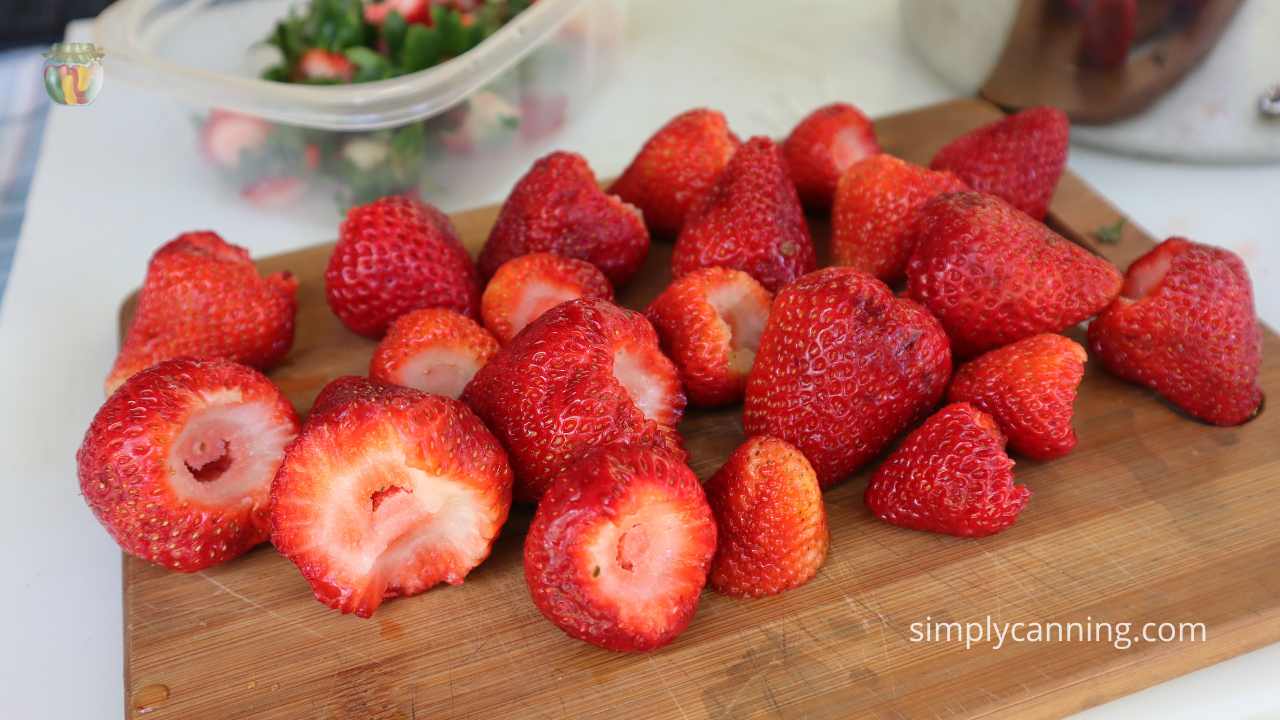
(557, 207)
(525, 287)
(395, 255)
(322, 65)
(772, 526)
(177, 464)
(203, 297)
(387, 492)
(710, 322)
(993, 275)
(750, 220)
(951, 475)
(1018, 158)
(843, 368)
(676, 166)
(825, 144)
(1185, 326)
(618, 551)
(433, 350)
(586, 373)
(1029, 387)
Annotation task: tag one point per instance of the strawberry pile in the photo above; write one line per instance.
(517, 377)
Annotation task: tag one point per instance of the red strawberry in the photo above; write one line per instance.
(1185, 326)
(750, 220)
(526, 287)
(433, 350)
(1029, 387)
(177, 464)
(771, 521)
(875, 205)
(1109, 27)
(395, 255)
(413, 11)
(586, 373)
(843, 368)
(204, 298)
(1019, 158)
(676, 166)
(993, 275)
(710, 323)
(274, 192)
(318, 64)
(387, 492)
(226, 136)
(827, 142)
(618, 551)
(558, 207)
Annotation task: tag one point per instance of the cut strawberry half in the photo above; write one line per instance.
(434, 350)
(526, 287)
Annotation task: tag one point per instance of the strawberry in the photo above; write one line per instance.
(177, 464)
(433, 350)
(875, 205)
(823, 146)
(618, 551)
(274, 192)
(226, 136)
(322, 65)
(710, 323)
(1029, 387)
(843, 368)
(387, 492)
(750, 220)
(1108, 31)
(413, 11)
(395, 255)
(1185, 326)
(203, 297)
(676, 166)
(772, 526)
(586, 373)
(951, 475)
(557, 207)
(993, 275)
(1018, 158)
(525, 287)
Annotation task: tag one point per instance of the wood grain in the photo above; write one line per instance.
(1154, 518)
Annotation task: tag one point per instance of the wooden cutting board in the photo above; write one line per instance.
(1153, 518)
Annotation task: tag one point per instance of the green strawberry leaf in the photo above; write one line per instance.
(393, 32)
(369, 64)
(1110, 234)
(422, 48)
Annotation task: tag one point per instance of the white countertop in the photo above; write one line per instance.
(119, 178)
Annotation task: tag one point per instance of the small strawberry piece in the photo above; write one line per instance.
(710, 322)
(1109, 27)
(203, 297)
(226, 136)
(586, 373)
(676, 166)
(413, 11)
(843, 368)
(275, 192)
(951, 475)
(1029, 387)
(618, 551)
(1185, 326)
(526, 287)
(772, 524)
(433, 350)
(1019, 158)
(823, 146)
(177, 464)
(993, 275)
(875, 207)
(393, 256)
(558, 207)
(318, 64)
(387, 492)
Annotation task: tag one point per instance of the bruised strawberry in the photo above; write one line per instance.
(1018, 158)
(993, 275)
(1185, 326)
(527, 286)
(203, 297)
(387, 492)
(433, 350)
(557, 207)
(951, 475)
(177, 464)
(710, 323)
(676, 166)
(618, 551)
(843, 368)
(317, 64)
(772, 526)
(823, 146)
(749, 220)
